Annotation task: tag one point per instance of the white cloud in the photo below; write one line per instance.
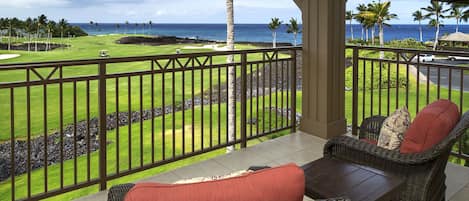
(266, 3)
(32, 3)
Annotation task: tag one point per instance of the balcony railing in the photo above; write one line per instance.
(74, 124)
(407, 77)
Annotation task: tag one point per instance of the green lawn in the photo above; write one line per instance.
(88, 47)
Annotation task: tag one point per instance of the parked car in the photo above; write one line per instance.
(454, 58)
(426, 57)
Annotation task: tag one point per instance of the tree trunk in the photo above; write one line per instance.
(363, 33)
(274, 42)
(421, 32)
(29, 43)
(457, 25)
(381, 40)
(231, 75)
(9, 39)
(351, 29)
(35, 42)
(437, 34)
(367, 35)
(295, 41)
(373, 35)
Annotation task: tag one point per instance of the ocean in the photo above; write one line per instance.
(255, 32)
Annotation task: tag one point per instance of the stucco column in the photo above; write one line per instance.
(323, 112)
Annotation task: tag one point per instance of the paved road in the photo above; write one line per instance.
(445, 74)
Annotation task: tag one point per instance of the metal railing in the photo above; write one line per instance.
(407, 77)
(96, 120)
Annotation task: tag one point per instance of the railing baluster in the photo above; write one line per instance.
(243, 100)
(211, 101)
(450, 83)
(202, 107)
(117, 127)
(88, 132)
(293, 91)
(102, 127)
(129, 120)
(173, 98)
(153, 110)
(398, 58)
(354, 91)
(12, 141)
(141, 119)
(46, 176)
(183, 85)
(75, 130)
(28, 117)
(417, 107)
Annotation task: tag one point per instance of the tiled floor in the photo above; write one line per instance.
(296, 148)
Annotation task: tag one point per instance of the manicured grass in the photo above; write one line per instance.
(86, 48)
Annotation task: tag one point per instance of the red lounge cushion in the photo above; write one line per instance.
(430, 126)
(285, 183)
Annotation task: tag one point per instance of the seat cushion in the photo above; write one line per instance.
(285, 183)
(430, 127)
(393, 129)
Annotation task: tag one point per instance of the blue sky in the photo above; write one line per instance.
(176, 11)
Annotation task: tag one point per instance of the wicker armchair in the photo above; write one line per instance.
(424, 172)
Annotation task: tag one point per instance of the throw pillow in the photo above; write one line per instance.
(393, 129)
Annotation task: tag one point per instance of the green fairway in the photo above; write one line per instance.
(86, 48)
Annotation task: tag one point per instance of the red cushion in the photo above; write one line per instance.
(285, 183)
(430, 126)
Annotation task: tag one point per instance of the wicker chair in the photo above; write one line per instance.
(424, 172)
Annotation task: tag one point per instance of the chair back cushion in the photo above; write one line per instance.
(285, 183)
(430, 127)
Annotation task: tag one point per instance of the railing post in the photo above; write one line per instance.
(355, 91)
(293, 91)
(102, 127)
(244, 91)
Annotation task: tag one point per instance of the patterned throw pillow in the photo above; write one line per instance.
(213, 178)
(393, 129)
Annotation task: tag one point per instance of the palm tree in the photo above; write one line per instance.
(349, 16)
(41, 20)
(273, 26)
(294, 29)
(50, 28)
(361, 19)
(436, 12)
(136, 26)
(458, 14)
(62, 25)
(150, 23)
(380, 12)
(29, 28)
(126, 25)
(231, 74)
(418, 16)
(118, 26)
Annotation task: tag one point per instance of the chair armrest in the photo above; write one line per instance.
(118, 192)
(345, 147)
(371, 127)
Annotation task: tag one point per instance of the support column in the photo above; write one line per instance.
(323, 69)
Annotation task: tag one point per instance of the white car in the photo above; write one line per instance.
(426, 57)
(454, 58)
